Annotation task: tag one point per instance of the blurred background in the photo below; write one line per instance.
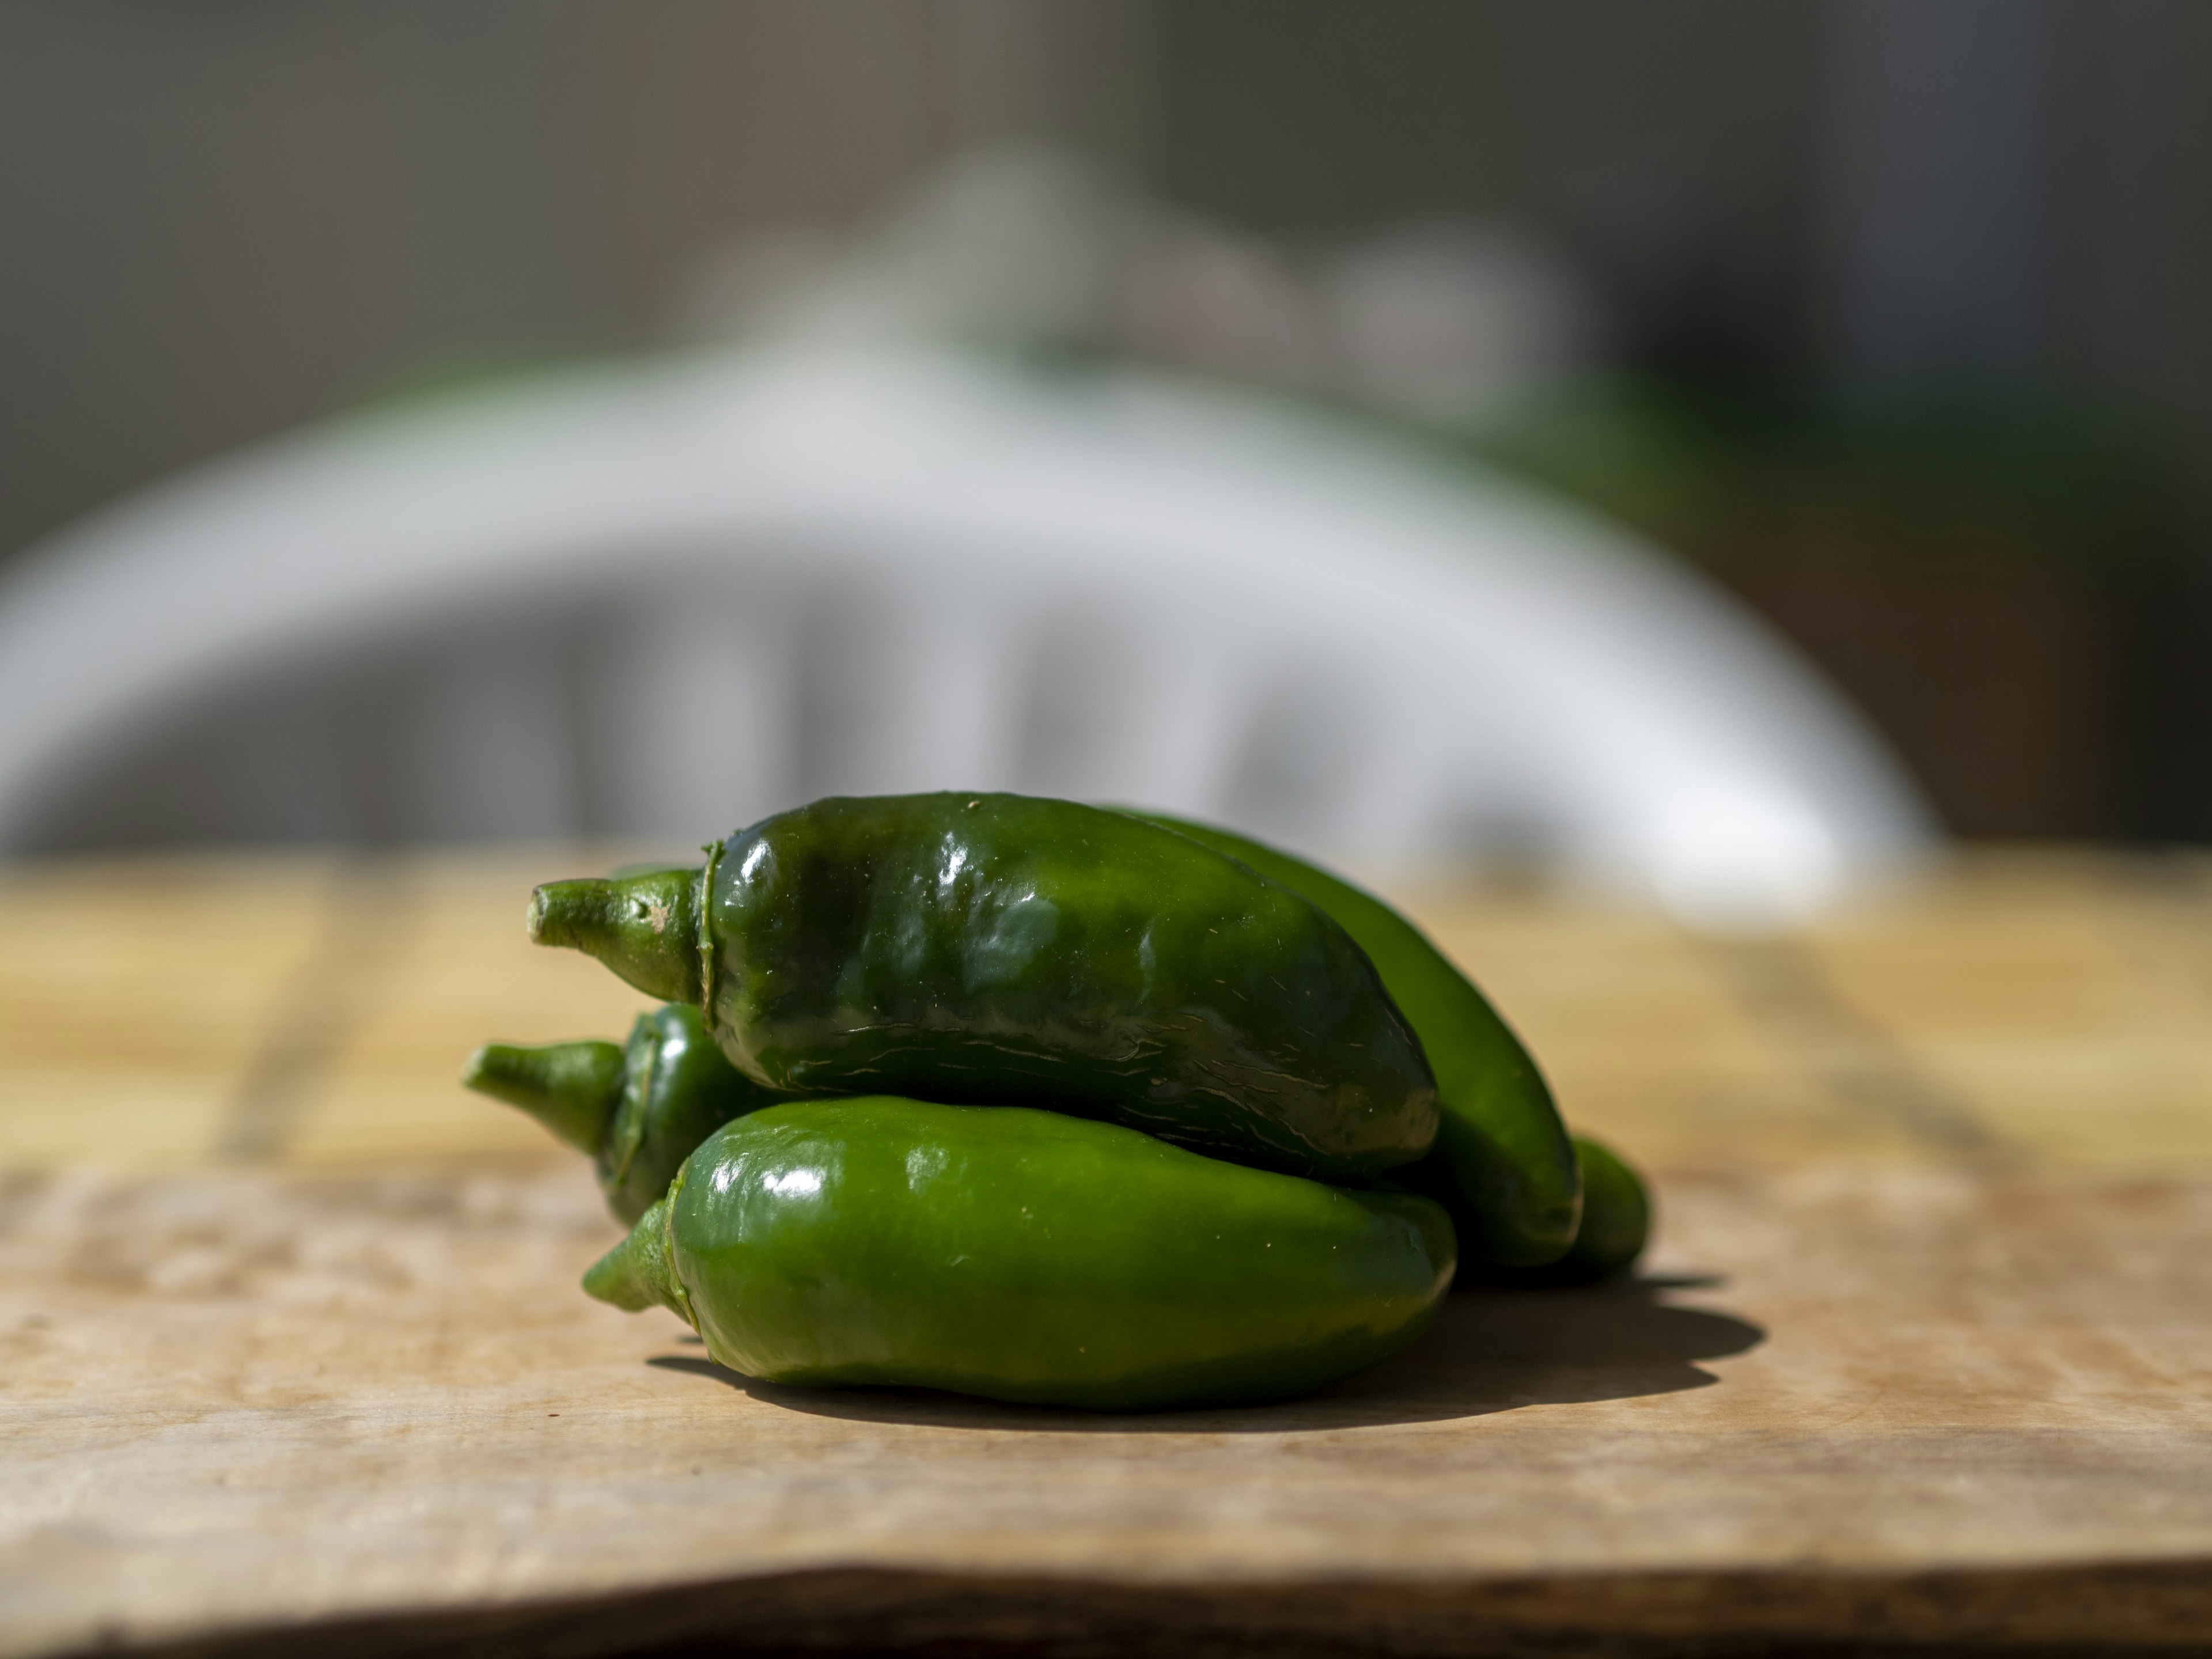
(1721, 447)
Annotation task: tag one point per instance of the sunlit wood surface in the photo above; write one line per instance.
(290, 1330)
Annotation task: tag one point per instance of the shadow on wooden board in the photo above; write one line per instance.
(1488, 1350)
(2102, 1611)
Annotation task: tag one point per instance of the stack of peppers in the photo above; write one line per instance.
(1051, 1103)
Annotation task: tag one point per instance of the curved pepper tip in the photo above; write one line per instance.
(1616, 1211)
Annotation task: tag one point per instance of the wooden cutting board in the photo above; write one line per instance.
(289, 1334)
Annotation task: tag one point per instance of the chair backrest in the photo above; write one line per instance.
(665, 601)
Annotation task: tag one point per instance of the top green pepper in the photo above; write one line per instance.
(1501, 1165)
(1001, 950)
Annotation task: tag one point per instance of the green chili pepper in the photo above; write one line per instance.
(1616, 1225)
(1024, 1256)
(638, 1110)
(1502, 1163)
(997, 949)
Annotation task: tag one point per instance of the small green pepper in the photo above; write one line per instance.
(1502, 1163)
(1002, 949)
(1024, 1256)
(638, 1110)
(1615, 1227)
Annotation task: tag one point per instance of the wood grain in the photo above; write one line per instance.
(289, 1334)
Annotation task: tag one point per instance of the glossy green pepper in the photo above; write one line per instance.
(1615, 1227)
(639, 1110)
(1025, 1256)
(1000, 949)
(1502, 1163)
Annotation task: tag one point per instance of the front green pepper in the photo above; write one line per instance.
(1004, 949)
(1024, 1256)
(1502, 1163)
(638, 1110)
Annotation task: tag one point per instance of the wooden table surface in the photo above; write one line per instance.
(289, 1330)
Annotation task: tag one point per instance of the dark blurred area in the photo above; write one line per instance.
(1894, 317)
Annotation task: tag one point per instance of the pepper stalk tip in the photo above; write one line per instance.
(574, 1089)
(636, 1274)
(644, 925)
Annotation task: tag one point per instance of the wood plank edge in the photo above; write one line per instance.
(2130, 1607)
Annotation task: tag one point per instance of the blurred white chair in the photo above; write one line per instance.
(665, 601)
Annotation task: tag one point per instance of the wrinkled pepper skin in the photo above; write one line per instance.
(1502, 1163)
(1616, 1225)
(638, 1110)
(1024, 1256)
(1000, 949)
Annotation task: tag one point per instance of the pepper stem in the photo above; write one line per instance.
(644, 925)
(572, 1088)
(636, 1274)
